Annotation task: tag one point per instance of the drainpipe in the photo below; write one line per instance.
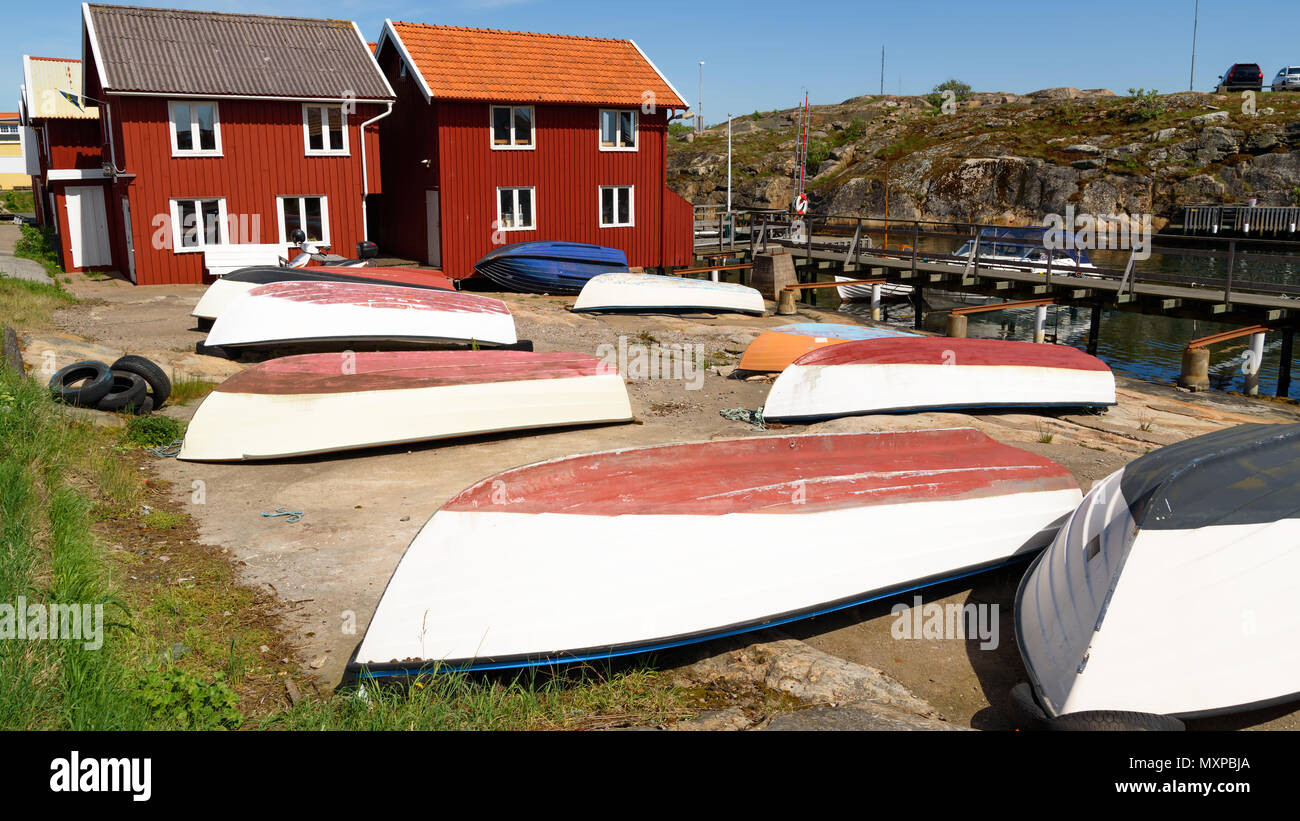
(365, 177)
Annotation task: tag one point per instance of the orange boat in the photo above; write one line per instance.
(774, 350)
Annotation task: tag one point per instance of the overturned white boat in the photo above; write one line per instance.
(627, 551)
(283, 313)
(226, 288)
(914, 373)
(651, 292)
(1172, 589)
(320, 403)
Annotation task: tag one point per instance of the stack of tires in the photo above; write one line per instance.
(132, 384)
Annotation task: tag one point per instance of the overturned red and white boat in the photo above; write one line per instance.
(283, 313)
(626, 551)
(220, 293)
(320, 403)
(936, 373)
(1172, 589)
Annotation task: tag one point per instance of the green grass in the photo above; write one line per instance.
(154, 431)
(183, 637)
(188, 389)
(48, 556)
(39, 244)
(530, 700)
(18, 202)
(30, 305)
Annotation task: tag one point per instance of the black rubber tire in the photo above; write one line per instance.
(98, 381)
(128, 393)
(1112, 720)
(146, 407)
(160, 387)
(1026, 713)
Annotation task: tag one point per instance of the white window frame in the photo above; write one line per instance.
(194, 128)
(631, 206)
(306, 131)
(15, 132)
(636, 129)
(223, 226)
(501, 226)
(324, 241)
(532, 118)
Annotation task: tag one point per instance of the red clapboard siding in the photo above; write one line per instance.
(566, 168)
(74, 143)
(263, 158)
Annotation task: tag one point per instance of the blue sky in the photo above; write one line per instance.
(762, 55)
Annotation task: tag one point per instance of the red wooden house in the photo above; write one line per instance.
(63, 143)
(226, 129)
(500, 137)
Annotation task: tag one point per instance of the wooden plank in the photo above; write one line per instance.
(803, 286)
(1023, 303)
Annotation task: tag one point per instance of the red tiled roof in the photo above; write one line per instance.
(511, 66)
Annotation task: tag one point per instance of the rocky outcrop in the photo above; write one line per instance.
(1006, 157)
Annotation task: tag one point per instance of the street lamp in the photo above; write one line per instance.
(699, 109)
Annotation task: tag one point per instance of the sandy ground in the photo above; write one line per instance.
(362, 509)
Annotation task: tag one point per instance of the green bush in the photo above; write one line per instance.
(154, 431)
(957, 87)
(37, 244)
(1146, 105)
(176, 698)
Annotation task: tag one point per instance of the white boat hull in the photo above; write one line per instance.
(862, 293)
(235, 426)
(1172, 589)
(821, 391)
(308, 312)
(644, 292)
(468, 587)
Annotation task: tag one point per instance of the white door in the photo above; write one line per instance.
(130, 245)
(88, 226)
(432, 210)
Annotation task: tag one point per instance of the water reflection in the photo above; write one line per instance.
(1146, 346)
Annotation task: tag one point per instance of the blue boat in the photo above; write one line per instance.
(549, 267)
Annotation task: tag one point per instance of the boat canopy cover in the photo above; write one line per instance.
(1019, 243)
(1249, 474)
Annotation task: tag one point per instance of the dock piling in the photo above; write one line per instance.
(957, 326)
(1196, 369)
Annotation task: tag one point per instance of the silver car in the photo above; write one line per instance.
(1288, 79)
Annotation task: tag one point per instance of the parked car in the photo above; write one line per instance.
(1287, 79)
(1242, 77)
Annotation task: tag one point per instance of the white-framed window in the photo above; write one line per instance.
(8, 133)
(516, 209)
(310, 213)
(616, 204)
(195, 128)
(324, 130)
(512, 127)
(617, 129)
(198, 224)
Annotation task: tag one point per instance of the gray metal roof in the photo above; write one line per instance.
(170, 51)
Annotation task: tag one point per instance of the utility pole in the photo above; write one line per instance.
(1196, 16)
(699, 109)
(882, 68)
(728, 167)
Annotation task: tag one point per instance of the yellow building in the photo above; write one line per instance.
(13, 167)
